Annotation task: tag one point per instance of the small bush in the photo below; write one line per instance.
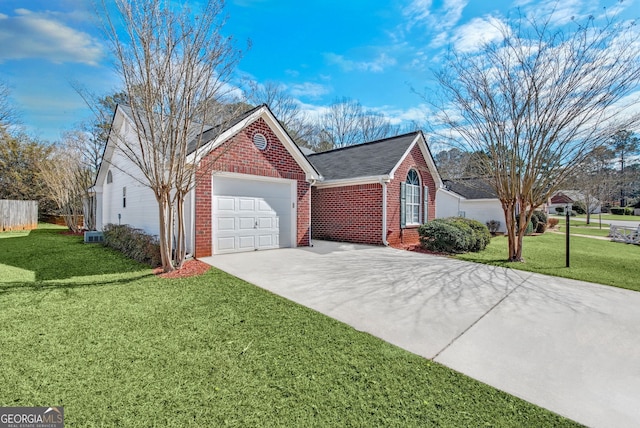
(493, 226)
(580, 207)
(454, 235)
(133, 243)
(628, 211)
(481, 236)
(529, 229)
(617, 210)
(539, 220)
(553, 222)
(560, 210)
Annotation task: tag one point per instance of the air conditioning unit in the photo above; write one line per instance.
(92, 236)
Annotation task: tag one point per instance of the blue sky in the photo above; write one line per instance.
(320, 50)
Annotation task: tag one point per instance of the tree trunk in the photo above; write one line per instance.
(181, 248)
(164, 211)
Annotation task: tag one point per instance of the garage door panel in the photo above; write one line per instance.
(246, 204)
(267, 241)
(226, 223)
(226, 244)
(225, 203)
(246, 223)
(267, 223)
(247, 242)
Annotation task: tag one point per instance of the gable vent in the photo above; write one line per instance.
(260, 141)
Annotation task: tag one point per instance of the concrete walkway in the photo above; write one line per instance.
(569, 346)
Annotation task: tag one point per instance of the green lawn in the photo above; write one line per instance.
(593, 260)
(116, 346)
(605, 216)
(581, 228)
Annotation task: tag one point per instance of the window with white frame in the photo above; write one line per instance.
(412, 198)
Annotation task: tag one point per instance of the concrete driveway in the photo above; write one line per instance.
(569, 346)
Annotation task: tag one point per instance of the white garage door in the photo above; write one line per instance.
(251, 215)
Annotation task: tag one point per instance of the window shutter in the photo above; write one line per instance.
(403, 204)
(425, 209)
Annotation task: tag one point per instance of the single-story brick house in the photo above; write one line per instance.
(264, 193)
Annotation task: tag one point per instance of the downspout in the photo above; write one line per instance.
(384, 183)
(193, 222)
(312, 182)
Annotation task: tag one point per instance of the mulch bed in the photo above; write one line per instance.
(416, 248)
(69, 232)
(189, 268)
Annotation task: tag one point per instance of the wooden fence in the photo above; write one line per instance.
(18, 215)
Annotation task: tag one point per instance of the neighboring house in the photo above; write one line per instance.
(472, 198)
(375, 193)
(562, 198)
(263, 192)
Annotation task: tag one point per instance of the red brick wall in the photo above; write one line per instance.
(354, 213)
(240, 155)
(409, 235)
(349, 213)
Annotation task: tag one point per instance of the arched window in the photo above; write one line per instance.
(412, 198)
(109, 177)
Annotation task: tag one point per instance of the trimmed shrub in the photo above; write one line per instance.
(553, 222)
(539, 220)
(560, 210)
(580, 207)
(133, 243)
(493, 226)
(454, 235)
(481, 236)
(529, 230)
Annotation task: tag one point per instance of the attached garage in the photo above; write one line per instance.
(253, 213)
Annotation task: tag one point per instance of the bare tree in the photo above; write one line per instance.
(537, 103)
(8, 113)
(347, 123)
(285, 108)
(68, 180)
(624, 145)
(594, 179)
(175, 66)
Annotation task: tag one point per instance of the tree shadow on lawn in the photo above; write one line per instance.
(48, 255)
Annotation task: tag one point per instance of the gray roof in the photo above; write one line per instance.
(363, 160)
(212, 132)
(203, 133)
(471, 188)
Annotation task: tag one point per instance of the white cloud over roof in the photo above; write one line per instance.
(42, 35)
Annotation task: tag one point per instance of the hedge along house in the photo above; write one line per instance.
(375, 193)
(253, 188)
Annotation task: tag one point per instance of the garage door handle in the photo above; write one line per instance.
(256, 225)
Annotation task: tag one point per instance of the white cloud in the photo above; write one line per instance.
(39, 35)
(478, 31)
(378, 65)
(308, 89)
(420, 12)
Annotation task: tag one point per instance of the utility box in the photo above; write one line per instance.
(92, 236)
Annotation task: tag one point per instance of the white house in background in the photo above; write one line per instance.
(563, 198)
(471, 198)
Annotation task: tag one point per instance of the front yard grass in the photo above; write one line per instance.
(593, 260)
(86, 329)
